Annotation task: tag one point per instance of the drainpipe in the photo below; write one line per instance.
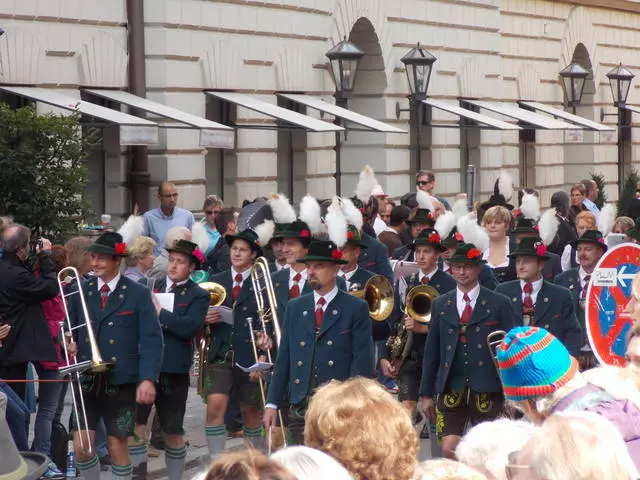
(139, 176)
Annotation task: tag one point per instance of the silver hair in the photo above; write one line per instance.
(15, 237)
(176, 233)
(310, 464)
(546, 403)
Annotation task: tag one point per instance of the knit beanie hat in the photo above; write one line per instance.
(533, 363)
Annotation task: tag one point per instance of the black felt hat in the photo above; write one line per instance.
(109, 243)
(453, 239)
(525, 226)
(591, 236)
(423, 215)
(430, 237)
(297, 229)
(248, 236)
(497, 199)
(466, 253)
(531, 247)
(354, 238)
(190, 249)
(324, 251)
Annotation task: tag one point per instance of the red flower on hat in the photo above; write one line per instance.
(541, 250)
(601, 240)
(517, 212)
(434, 238)
(458, 236)
(349, 235)
(305, 233)
(429, 215)
(473, 253)
(337, 254)
(121, 248)
(536, 228)
(199, 255)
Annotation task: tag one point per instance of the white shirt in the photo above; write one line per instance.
(328, 298)
(293, 273)
(565, 259)
(281, 267)
(112, 284)
(170, 284)
(473, 296)
(485, 256)
(347, 276)
(244, 274)
(428, 275)
(379, 225)
(537, 285)
(581, 275)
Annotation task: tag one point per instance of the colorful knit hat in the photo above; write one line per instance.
(533, 363)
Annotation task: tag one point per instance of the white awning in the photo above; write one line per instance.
(212, 134)
(260, 106)
(492, 123)
(632, 108)
(583, 122)
(527, 116)
(331, 109)
(133, 130)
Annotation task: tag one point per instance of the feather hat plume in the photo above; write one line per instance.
(505, 185)
(366, 184)
(424, 200)
(132, 228)
(352, 213)
(445, 223)
(311, 214)
(265, 231)
(472, 232)
(548, 226)
(460, 208)
(282, 209)
(530, 207)
(336, 223)
(199, 236)
(606, 219)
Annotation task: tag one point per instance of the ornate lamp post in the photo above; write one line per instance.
(574, 78)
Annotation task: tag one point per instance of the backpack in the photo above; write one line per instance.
(59, 445)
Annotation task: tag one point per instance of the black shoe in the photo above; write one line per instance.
(424, 433)
(105, 463)
(139, 472)
(417, 418)
(157, 443)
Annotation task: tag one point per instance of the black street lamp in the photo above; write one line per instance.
(574, 78)
(620, 81)
(344, 59)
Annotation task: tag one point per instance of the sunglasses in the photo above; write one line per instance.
(212, 212)
(422, 183)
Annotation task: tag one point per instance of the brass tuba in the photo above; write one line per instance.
(378, 293)
(217, 296)
(418, 306)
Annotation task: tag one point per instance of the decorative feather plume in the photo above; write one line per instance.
(282, 209)
(460, 208)
(352, 214)
(336, 223)
(505, 185)
(311, 214)
(530, 207)
(132, 228)
(473, 233)
(606, 219)
(366, 184)
(199, 236)
(445, 223)
(265, 231)
(548, 226)
(424, 200)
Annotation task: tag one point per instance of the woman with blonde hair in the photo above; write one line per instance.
(585, 220)
(363, 427)
(497, 222)
(140, 259)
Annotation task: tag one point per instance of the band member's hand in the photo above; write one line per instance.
(263, 341)
(213, 317)
(71, 345)
(269, 418)
(146, 392)
(4, 332)
(156, 303)
(387, 368)
(409, 323)
(429, 409)
(254, 377)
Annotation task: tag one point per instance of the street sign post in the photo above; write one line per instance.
(607, 298)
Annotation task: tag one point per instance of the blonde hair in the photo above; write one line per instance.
(140, 248)
(212, 201)
(586, 216)
(247, 465)
(344, 420)
(445, 469)
(496, 213)
(624, 224)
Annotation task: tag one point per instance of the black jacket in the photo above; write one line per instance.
(20, 295)
(218, 259)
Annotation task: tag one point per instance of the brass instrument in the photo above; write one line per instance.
(494, 339)
(378, 293)
(268, 313)
(418, 306)
(217, 296)
(74, 368)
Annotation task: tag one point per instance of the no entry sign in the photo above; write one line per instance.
(607, 298)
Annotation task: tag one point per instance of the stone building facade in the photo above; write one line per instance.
(497, 50)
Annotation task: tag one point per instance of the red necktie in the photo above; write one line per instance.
(237, 286)
(294, 291)
(527, 303)
(464, 319)
(319, 312)
(583, 293)
(425, 280)
(172, 288)
(104, 295)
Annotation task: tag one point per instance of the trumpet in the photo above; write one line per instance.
(268, 313)
(74, 368)
(378, 293)
(494, 339)
(217, 296)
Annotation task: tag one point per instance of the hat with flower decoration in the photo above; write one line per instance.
(531, 247)
(297, 229)
(591, 236)
(109, 243)
(466, 253)
(354, 238)
(428, 236)
(189, 249)
(324, 251)
(249, 236)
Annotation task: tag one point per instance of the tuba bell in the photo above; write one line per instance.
(217, 296)
(378, 293)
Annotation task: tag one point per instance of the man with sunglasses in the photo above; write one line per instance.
(427, 181)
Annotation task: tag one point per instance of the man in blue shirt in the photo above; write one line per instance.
(158, 221)
(592, 193)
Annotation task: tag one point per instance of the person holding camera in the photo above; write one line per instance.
(24, 332)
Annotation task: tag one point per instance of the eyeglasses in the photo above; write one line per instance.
(212, 212)
(512, 467)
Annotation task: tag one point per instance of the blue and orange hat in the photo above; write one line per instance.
(533, 363)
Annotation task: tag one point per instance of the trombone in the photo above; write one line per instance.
(73, 367)
(268, 313)
(494, 339)
(217, 296)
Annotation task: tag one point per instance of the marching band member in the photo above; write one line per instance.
(422, 218)
(128, 334)
(427, 249)
(231, 345)
(326, 335)
(542, 303)
(458, 372)
(283, 215)
(590, 247)
(179, 326)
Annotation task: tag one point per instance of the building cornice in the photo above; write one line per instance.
(621, 5)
